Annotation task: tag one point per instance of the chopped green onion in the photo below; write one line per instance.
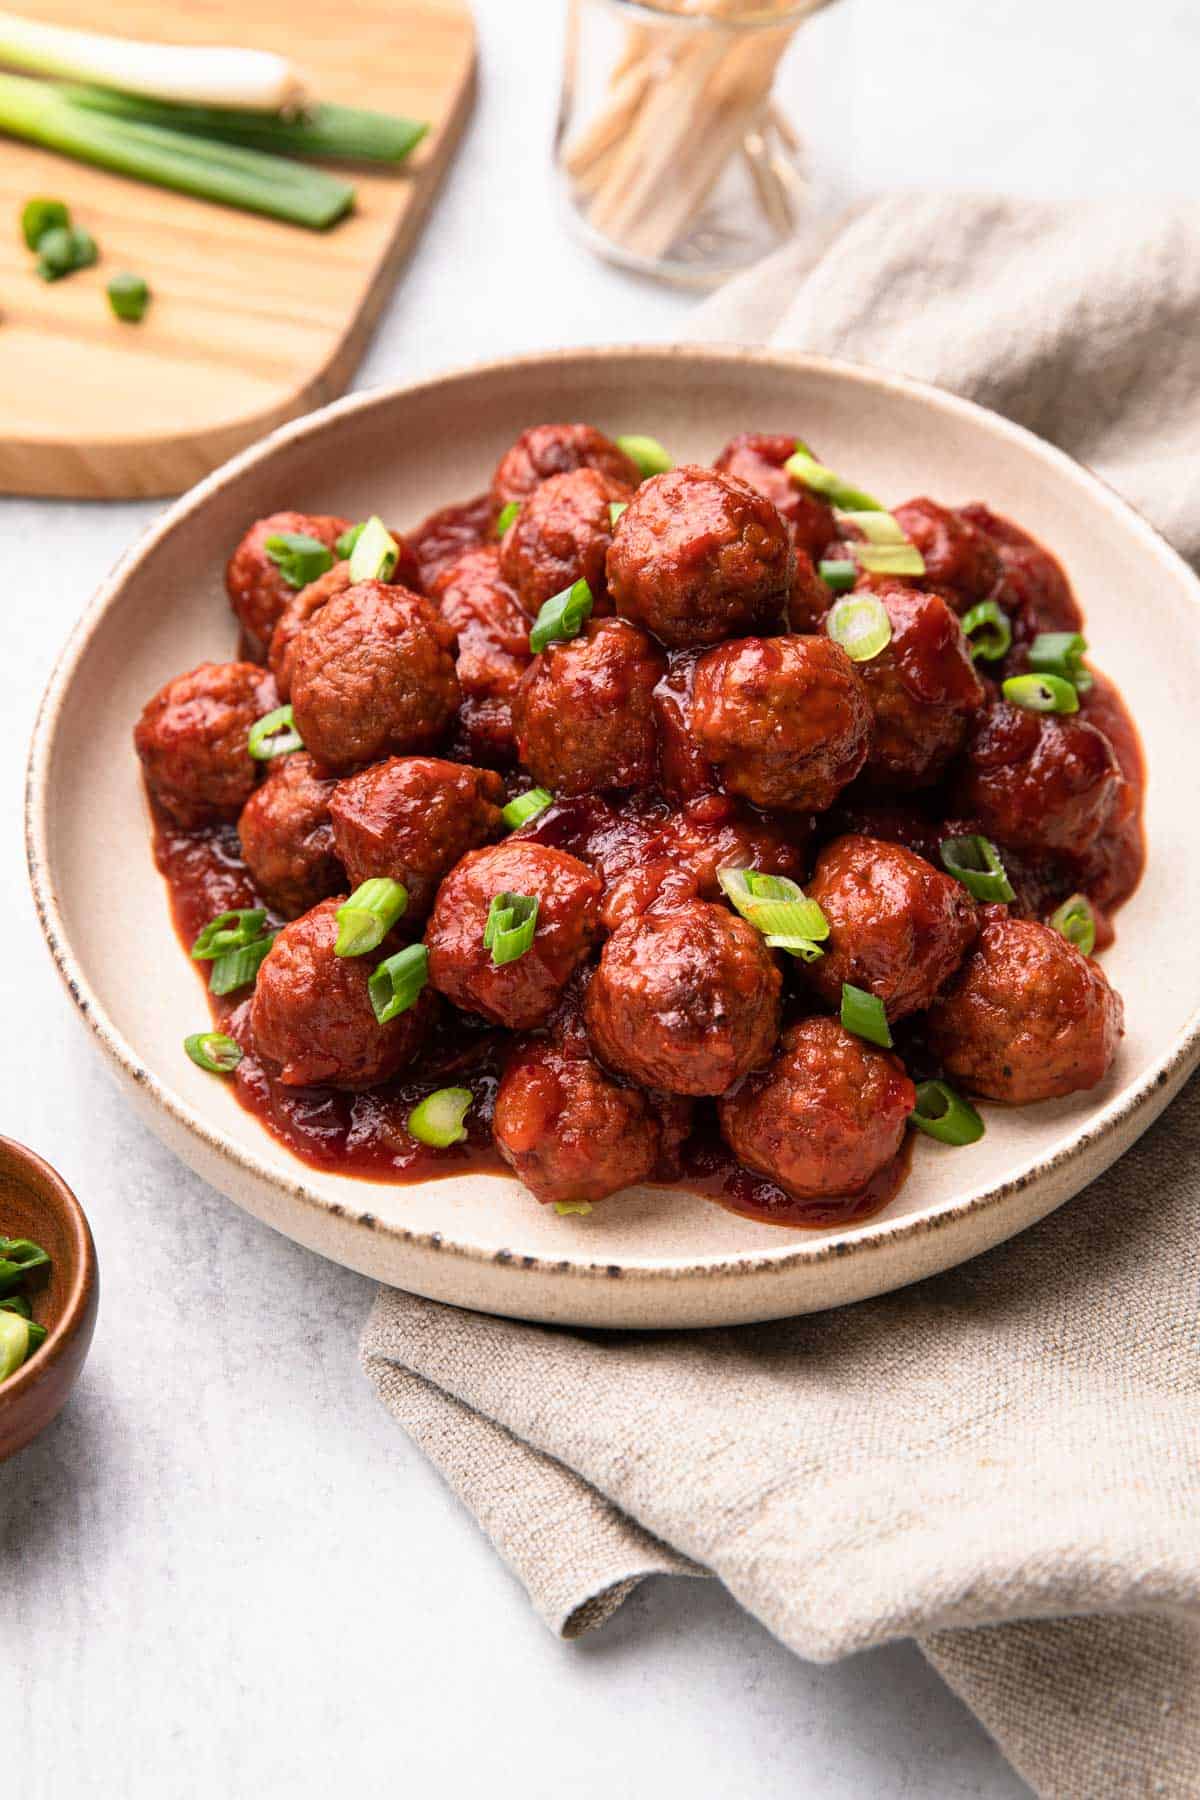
(802, 947)
(214, 1051)
(564, 1207)
(976, 862)
(647, 453)
(860, 624)
(890, 559)
(229, 931)
(63, 249)
(238, 968)
(344, 546)
(274, 735)
(511, 924)
(19, 1259)
(877, 527)
(439, 1118)
(813, 475)
(778, 908)
(129, 296)
(505, 516)
(1041, 693)
(298, 557)
(562, 617)
(838, 575)
(987, 631)
(17, 1303)
(942, 1114)
(40, 216)
(1076, 921)
(397, 984)
(884, 548)
(14, 1343)
(352, 133)
(615, 509)
(375, 553)
(1061, 653)
(526, 806)
(865, 1016)
(365, 919)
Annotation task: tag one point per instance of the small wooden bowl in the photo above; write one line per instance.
(36, 1203)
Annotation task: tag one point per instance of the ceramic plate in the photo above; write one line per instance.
(650, 1257)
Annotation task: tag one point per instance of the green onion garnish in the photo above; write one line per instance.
(129, 296)
(505, 516)
(344, 545)
(615, 509)
(238, 968)
(274, 735)
(14, 1343)
(1076, 921)
(1041, 693)
(1061, 653)
(526, 806)
(804, 468)
(298, 557)
(942, 1114)
(886, 549)
(562, 617)
(375, 553)
(860, 625)
(63, 249)
(976, 862)
(365, 919)
(987, 631)
(564, 1207)
(439, 1118)
(778, 908)
(229, 931)
(838, 575)
(397, 984)
(647, 453)
(19, 1259)
(864, 1015)
(17, 1303)
(214, 1051)
(327, 131)
(40, 216)
(511, 924)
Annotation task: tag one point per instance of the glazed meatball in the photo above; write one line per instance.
(810, 599)
(287, 839)
(1039, 781)
(561, 535)
(897, 926)
(757, 459)
(493, 647)
(1028, 1017)
(786, 720)
(698, 556)
(312, 1015)
(411, 819)
(827, 1116)
(1034, 583)
(257, 590)
(548, 450)
(922, 687)
(957, 555)
(373, 674)
(192, 736)
(683, 859)
(523, 993)
(584, 712)
(295, 616)
(683, 770)
(687, 1001)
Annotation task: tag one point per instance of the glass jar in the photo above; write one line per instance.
(673, 152)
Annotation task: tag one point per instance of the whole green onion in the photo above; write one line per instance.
(348, 133)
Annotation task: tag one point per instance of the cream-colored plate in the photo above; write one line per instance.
(649, 1257)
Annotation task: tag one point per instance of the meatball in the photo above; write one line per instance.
(547, 450)
(683, 770)
(287, 839)
(1028, 1017)
(786, 720)
(446, 534)
(1039, 781)
(257, 590)
(697, 557)
(957, 554)
(1034, 583)
(922, 687)
(295, 616)
(493, 647)
(312, 1015)
(584, 712)
(757, 458)
(897, 926)
(810, 599)
(373, 674)
(561, 535)
(411, 819)
(682, 860)
(192, 736)
(827, 1116)
(569, 1130)
(523, 993)
(687, 1001)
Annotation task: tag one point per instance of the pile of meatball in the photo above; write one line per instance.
(702, 719)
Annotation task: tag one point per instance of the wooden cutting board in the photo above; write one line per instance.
(252, 322)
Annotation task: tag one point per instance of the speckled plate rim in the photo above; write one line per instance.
(1110, 1129)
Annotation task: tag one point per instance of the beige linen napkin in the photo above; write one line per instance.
(1003, 1462)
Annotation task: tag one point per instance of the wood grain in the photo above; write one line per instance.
(252, 322)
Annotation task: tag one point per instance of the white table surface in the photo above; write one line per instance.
(225, 1571)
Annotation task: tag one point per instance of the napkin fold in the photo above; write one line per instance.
(1002, 1462)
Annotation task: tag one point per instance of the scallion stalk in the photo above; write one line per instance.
(345, 133)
